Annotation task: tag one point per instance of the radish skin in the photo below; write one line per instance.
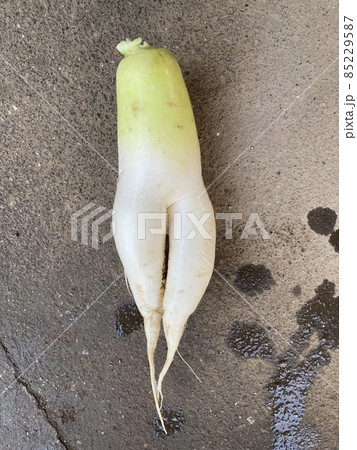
(160, 172)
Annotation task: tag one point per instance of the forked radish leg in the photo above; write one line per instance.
(188, 274)
(144, 274)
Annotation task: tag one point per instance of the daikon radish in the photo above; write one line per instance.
(160, 185)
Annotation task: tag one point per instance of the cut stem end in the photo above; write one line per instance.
(128, 47)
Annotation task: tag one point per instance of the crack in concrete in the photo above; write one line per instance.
(40, 401)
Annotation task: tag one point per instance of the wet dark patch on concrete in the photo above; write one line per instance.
(288, 387)
(287, 391)
(250, 341)
(287, 398)
(334, 240)
(174, 422)
(320, 314)
(322, 220)
(128, 319)
(296, 290)
(253, 279)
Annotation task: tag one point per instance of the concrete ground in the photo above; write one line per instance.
(263, 81)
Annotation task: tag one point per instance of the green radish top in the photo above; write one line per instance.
(128, 47)
(155, 116)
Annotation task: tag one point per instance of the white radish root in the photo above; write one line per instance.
(160, 184)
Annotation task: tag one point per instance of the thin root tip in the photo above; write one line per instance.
(162, 420)
(157, 395)
(128, 47)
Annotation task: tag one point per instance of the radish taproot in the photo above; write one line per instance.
(160, 177)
